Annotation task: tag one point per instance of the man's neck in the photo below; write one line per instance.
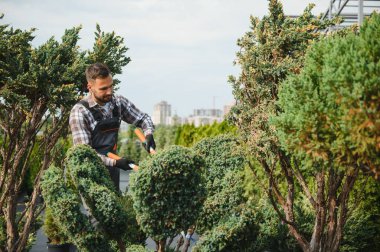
(96, 100)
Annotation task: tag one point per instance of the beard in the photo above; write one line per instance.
(103, 99)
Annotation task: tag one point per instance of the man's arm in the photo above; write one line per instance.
(132, 115)
(81, 130)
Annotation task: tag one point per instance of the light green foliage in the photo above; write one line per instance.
(331, 110)
(187, 135)
(165, 135)
(137, 248)
(168, 192)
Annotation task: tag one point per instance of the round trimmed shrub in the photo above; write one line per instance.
(168, 192)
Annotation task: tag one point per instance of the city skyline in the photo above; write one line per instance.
(181, 51)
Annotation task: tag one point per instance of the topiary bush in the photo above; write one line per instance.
(91, 179)
(65, 203)
(221, 154)
(88, 178)
(227, 196)
(235, 232)
(168, 192)
(51, 229)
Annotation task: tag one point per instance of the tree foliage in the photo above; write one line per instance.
(168, 192)
(39, 86)
(187, 134)
(224, 162)
(88, 180)
(332, 110)
(273, 49)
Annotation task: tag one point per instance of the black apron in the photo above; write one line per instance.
(104, 137)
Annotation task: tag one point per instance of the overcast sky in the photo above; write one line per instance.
(181, 50)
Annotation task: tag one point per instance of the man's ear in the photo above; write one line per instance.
(89, 85)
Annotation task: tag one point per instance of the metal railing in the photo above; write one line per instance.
(352, 11)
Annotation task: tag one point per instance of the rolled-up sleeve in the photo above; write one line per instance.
(132, 115)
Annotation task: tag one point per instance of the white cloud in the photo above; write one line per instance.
(181, 50)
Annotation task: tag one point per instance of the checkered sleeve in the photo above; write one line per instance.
(133, 115)
(81, 130)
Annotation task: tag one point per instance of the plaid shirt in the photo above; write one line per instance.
(82, 123)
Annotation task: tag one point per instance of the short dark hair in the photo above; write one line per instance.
(97, 70)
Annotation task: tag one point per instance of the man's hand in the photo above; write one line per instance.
(124, 163)
(150, 143)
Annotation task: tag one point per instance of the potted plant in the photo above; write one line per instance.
(57, 240)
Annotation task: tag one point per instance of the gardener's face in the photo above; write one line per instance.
(101, 89)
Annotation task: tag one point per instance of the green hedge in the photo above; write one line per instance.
(168, 192)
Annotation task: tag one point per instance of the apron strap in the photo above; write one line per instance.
(95, 113)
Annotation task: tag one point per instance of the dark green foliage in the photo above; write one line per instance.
(108, 47)
(362, 231)
(51, 229)
(224, 196)
(65, 206)
(331, 110)
(3, 232)
(168, 192)
(91, 179)
(38, 87)
(134, 233)
(224, 161)
(221, 154)
(236, 232)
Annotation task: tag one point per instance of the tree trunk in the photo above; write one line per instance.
(161, 245)
(121, 245)
(179, 243)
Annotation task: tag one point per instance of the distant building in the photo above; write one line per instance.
(175, 120)
(205, 116)
(161, 113)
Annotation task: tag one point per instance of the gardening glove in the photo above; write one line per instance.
(150, 143)
(124, 163)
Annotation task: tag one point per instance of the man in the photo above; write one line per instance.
(95, 120)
